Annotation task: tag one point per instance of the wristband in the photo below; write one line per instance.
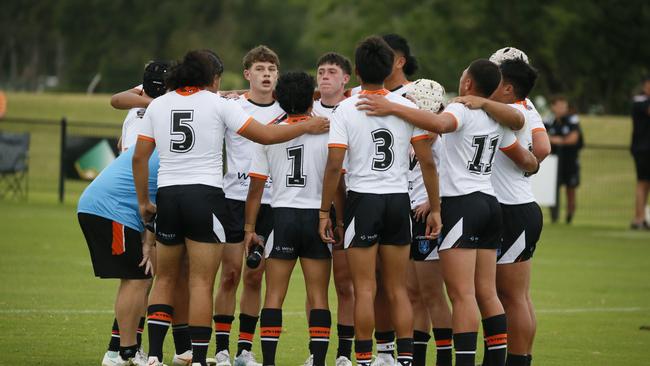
(249, 228)
(323, 214)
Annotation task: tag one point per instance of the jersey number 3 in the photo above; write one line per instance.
(296, 178)
(181, 127)
(383, 139)
(477, 165)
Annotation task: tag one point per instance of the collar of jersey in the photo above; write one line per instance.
(522, 102)
(382, 91)
(188, 90)
(291, 120)
(248, 98)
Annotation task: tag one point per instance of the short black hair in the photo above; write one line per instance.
(198, 68)
(486, 76)
(337, 59)
(373, 59)
(520, 75)
(399, 43)
(295, 92)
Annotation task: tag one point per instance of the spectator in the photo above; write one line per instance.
(640, 148)
(566, 141)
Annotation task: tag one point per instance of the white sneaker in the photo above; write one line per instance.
(184, 359)
(153, 361)
(246, 358)
(220, 359)
(383, 359)
(309, 361)
(343, 361)
(112, 358)
(140, 358)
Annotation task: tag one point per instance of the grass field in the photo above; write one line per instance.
(590, 282)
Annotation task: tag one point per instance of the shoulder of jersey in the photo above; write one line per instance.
(398, 98)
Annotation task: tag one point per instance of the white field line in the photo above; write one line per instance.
(302, 313)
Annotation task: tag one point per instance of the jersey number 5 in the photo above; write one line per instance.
(383, 139)
(478, 165)
(296, 178)
(181, 127)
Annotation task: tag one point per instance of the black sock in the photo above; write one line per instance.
(386, 342)
(486, 354)
(320, 322)
(128, 352)
(247, 325)
(496, 339)
(516, 360)
(465, 347)
(404, 351)
(443, 338)
(363, 351)
(270, 329)
(200, 342)
(420, 340)
(114, 344)
(182, 339)
(346, 336)
(222, 325)
(138, 335)
(159, 319)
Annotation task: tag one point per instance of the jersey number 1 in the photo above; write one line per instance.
(477, 164)
(181, 127)
(296, 178)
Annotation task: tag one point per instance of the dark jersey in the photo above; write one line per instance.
(641, 124)
(562, 127)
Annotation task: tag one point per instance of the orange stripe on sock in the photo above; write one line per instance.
(364, 355)
(270, 331)
(497, 339)
(443, 342)
(319, 332)
(246, 336)
(222, 327)
(160, 316)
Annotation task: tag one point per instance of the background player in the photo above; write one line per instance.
(378, 163)
(261, 66)
(333, 74)
(297, 168)
(191, 203)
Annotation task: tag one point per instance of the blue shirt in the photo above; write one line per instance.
(112, 194)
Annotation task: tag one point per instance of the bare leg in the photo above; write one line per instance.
(129, 304)
(362, 268)
(432, 289)
(231, 266)
(204, 259)
(642, 189)
(394, 266)
(513, 282)
(458, 268)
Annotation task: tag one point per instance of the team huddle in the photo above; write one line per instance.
(404, 199)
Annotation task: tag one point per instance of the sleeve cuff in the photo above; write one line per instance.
(420, 137)
(340, 146)
(509, 147)
(146, 138)
(258, 176)
(455, 119)
(243, 127)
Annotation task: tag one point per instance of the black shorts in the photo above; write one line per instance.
(377, 218)
(522, 227)
(569, 173)
(295, 234)
(422, 249)
(233, 224)
(642, 164)
(470, 221)
(192, 211)
(115, 250)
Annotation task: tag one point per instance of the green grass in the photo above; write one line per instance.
(590, 280)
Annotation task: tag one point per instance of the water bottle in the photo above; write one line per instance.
(255, 256)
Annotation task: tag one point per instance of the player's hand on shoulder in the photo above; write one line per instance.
(317, 125)
(434, 225)
(374, 105)
(470, 101)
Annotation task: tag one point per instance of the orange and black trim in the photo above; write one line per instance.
(382, 91)
(188, 90)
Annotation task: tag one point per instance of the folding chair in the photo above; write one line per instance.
(14, 165)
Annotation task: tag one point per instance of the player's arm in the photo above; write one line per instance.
(422, 149)
(377, 105)
(339, 207)
(500, 112)
(273, 134)
(140, 163)
(331, 181)
(253, 200)
(132, 98)
(541, 144)
(522, 157)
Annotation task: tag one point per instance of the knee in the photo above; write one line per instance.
(344, 290)
(230, 279)
(461, 295)
(253, 280)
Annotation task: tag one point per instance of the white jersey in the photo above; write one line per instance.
(401, 90)
(297, 168)
(470, 150)
(240, 150)
(188, 126)
(417, 190)
(130, 125)
(511, 185)
(377, 147)
(322, 110)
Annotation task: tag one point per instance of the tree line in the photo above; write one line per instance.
(594, 51)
